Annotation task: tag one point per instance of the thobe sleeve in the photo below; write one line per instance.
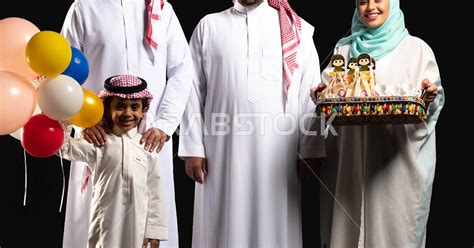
(78, 149)
(191, 138)
(72, 28)
(311, 142)
(179, 74)
(156, 226)
(429, 70)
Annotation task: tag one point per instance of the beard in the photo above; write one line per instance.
(250, 2)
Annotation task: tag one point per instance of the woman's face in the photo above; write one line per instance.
(373, 13)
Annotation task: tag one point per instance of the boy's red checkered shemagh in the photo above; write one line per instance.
(124, 82)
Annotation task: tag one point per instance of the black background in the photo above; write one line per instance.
(441, 26)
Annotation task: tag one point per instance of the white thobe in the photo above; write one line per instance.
(110, 33)
(385, 173)
(238, 119)
(127, 199)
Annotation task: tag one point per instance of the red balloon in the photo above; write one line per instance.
(42, 136)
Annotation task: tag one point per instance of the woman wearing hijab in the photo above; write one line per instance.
(385, 173)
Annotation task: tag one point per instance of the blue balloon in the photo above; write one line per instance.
(78, 67)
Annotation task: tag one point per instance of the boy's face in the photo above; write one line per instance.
(125, 113)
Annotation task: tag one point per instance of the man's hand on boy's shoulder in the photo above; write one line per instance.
(154, 138)
(96, 135)
(154, 243)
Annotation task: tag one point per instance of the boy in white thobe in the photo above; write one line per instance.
(127, 202)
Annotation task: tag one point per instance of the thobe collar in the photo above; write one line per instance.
(129, 134)
(244, 9)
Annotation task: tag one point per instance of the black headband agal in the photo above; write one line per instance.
(124, 90)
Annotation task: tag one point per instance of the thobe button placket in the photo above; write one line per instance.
(128, 8)
(126, 198)
(253, 79)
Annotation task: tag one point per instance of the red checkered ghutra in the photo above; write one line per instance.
(152, 18)
(290, 26)
(125, 81)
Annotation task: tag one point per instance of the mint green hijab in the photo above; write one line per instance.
(379, 41)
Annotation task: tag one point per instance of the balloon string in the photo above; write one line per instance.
(64, 180)
(26, 178)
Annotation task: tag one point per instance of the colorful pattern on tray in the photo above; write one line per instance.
(356, 99)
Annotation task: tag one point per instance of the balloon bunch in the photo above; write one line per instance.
(40, 86)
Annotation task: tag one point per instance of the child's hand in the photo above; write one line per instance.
(154, 243)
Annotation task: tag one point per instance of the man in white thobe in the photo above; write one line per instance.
(114, 36)
(243, 129)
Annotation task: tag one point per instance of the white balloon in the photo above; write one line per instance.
(60, 97)
(17, 133)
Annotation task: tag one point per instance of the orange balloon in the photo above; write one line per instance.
(91, 112)
(17, 101)
(15, 33)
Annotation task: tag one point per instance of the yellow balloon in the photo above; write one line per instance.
(48, 53)
(91, 112)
